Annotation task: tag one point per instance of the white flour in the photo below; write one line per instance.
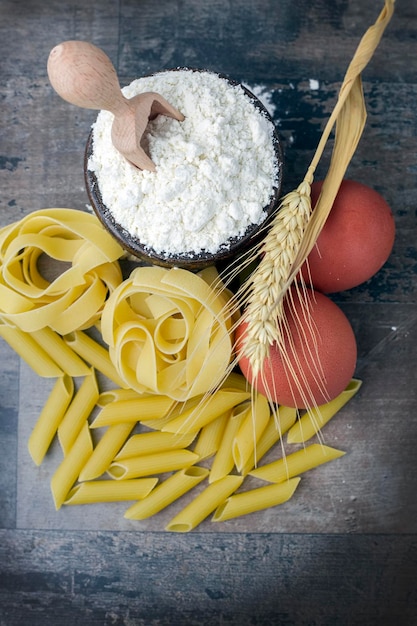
(215, 171)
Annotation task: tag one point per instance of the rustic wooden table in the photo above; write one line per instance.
(344, 552)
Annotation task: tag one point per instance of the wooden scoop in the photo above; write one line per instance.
(83, 74)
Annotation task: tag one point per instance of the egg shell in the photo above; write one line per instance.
(320, 348)
(355, 242)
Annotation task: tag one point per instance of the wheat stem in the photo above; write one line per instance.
(292, 236)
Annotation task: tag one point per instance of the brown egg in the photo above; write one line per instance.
(318, 356)
(355, 242)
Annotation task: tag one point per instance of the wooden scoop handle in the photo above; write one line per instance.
(83, 74)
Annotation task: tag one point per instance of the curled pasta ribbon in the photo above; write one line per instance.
(74, 298)
(168, 331)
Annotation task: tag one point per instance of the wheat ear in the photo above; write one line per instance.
(268, 281)
(295, 228)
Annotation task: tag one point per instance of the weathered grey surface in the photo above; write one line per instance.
(344, 551)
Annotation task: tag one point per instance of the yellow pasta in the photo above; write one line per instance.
(119, 411)
(236, 381)
(116, 395)
(95, 354)
(50, 418)
(279, 423)
(210, 436)
(30, 351)
(75, 298)
(60, 352)
(255, 500)
(110, 491)
(168, 332)
(78, 411)
(204, 504)
(105, 451)
(67, 472)
(179, 409)
(152, 442)
(167, 492)
(205, 412)
(296, 463)
(158, 463)
(314, 419)
(223, 461)
(246, 439)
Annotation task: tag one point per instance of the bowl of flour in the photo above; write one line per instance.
(217, 177)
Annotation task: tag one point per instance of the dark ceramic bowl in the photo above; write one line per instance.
(236, 246)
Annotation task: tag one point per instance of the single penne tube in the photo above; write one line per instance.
(95, 354)
(105, 451)
(204, 504)
(146, 465)
(209, 408)
(178, 409)
(68, 471)
(236, 381)
(246, 439)
(210, 436)
(153, 442)
(296, 463)
(279, 423)
(51, 415)
(116, 395)
(30, 351)
(223, 461)
(134, 410)
(167, 492)
(78, 411)
(94, 491)
(254, 500)
(68, 360)
(311, 422)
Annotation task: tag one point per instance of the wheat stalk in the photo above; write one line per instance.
(268, 281)
(295, 227)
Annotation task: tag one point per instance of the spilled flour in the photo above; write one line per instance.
(215, 171)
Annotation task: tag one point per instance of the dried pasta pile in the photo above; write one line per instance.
(136, 442)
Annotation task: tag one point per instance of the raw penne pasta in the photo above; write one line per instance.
(255, 500)
(110, 491)
(158, 463)
(204, 504)
(178, 409)
(313, 420)
(279, 423)
(210, 436)
(30, 351)
(95, 354)
(209, 408)
(50, 418)
(78, 411)
(120, 411)
(296, 463)
(105, 451)
(246, 439)
(68, 360)
(167, 492)
(68, 471)
(116, 395)
(153, 442)
(223, 461)
(236, 381)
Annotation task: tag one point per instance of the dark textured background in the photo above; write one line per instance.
(351, 561)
